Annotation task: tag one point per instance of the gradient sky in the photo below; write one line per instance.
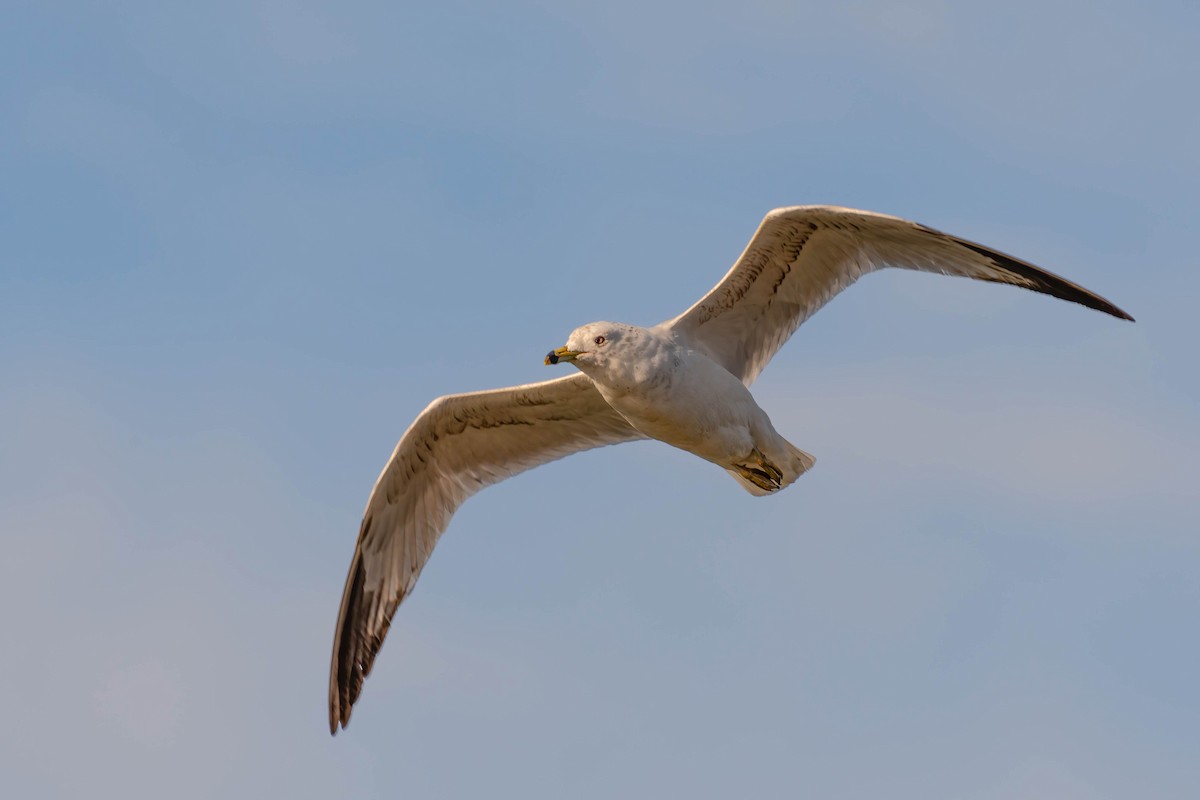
(242, 245)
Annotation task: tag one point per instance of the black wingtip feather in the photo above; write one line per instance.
(346, 682)
(1046, 282)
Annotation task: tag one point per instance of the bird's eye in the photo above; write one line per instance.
(599, 340)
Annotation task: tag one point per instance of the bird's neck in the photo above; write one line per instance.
(645, 368)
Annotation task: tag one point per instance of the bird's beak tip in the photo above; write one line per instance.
(560, 354)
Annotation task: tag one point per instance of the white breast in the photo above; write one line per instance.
(685, 399)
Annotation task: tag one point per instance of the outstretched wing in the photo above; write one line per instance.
(800, 257)
(457, 446)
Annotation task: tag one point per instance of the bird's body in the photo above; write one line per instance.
(684, 382)
(673, 392)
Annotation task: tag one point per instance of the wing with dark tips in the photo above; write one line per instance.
(457, 446)
(801, 257)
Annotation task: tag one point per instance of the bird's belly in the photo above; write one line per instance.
(701, 425)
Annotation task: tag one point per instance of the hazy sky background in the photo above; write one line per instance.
(242, 245)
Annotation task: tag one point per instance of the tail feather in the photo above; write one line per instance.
(790, 462)
(799, 463)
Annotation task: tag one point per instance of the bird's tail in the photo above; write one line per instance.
(766, 473)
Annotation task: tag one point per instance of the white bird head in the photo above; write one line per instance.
(595, 344)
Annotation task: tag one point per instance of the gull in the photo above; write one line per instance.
(684, 382)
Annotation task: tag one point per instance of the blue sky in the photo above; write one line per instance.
(243, 244)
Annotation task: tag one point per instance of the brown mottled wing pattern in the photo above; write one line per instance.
(457, 446)
(801, 257)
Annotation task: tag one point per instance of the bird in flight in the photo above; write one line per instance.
(684, 382)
